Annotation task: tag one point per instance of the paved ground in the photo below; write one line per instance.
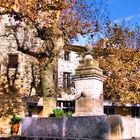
(7, 137)
(41, 138)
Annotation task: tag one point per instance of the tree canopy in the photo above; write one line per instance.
(40, 28)
(50, 19)
(119, 57)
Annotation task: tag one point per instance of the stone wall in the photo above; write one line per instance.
(113, 127)
(14, 101)
(74, 127)
(123, 127)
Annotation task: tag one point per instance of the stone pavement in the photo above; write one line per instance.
(19, 137)
(41, 138)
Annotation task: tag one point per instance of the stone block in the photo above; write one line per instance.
(113, 127)
(87, 127)
(67, 127)
(42, 127)
(124, 127)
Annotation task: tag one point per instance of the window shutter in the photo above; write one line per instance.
(13, 61)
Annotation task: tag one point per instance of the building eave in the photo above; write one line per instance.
(75, 48)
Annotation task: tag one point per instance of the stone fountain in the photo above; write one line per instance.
(89, 121)
(89, 87)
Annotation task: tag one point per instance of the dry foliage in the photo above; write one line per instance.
(36, 27)
(119, 57)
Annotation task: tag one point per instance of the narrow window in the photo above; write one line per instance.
(67, 106)
(135, 111)
(0, 68)
(67, 55)
(13, 61)
(66, 79)
(109, 110)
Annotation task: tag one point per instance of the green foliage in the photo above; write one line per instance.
(58, 112)
(61, 113)
(15, 119)
(69, 114)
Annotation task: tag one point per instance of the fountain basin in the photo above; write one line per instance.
(84, 127)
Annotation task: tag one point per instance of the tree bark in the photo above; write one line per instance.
(48, 74)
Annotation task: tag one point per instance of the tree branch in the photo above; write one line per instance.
(22, 48)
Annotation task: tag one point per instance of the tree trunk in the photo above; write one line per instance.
(48, 75)
(48, 86)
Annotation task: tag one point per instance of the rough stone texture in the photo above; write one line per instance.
(87, 127)
(28, 89)
(89, 88)
(43, 138)
(123, 127)
(4, 125)
(87, 106)
(48, 105)
(113, 127)
(42, 127)
(74, 127)
(50, 138)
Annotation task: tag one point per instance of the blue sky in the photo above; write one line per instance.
(127, 10)
(120, 12)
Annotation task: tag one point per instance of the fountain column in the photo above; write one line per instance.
(89, 80)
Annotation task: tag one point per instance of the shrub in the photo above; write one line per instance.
(69, 114)
(60, 113)
(15, 119)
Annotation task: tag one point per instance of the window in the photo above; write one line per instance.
(0, 68)
(66, 79)
(66, 105)
(13, 61)
(135, 111)
(67, 55)
(109, 110)
(33, 109)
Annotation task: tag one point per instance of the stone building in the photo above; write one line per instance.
(20, 91)
(21, 71)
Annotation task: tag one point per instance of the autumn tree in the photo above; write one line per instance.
(45, 26)
(119, 58)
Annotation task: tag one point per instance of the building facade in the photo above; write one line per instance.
(19, 91)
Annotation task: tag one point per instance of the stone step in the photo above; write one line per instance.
(42, 138)
(49, 138)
